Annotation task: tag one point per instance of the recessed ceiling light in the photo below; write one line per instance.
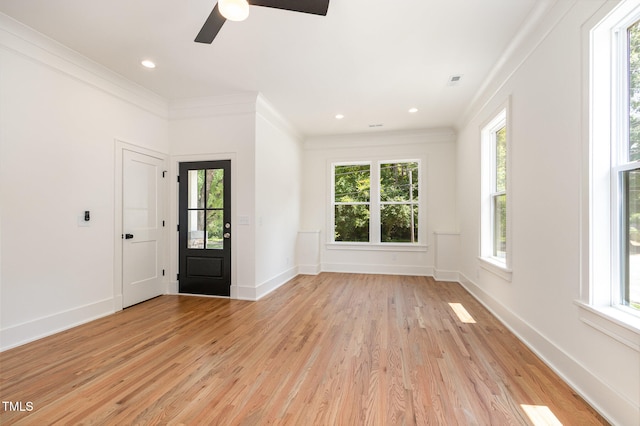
(412, 110)
(148, 64)
(339, 116)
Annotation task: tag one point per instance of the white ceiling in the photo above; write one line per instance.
(370, 60)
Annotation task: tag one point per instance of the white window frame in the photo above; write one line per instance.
(605, 137)
(497, 265)
(375, 204)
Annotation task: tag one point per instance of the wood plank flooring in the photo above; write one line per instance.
(332, 349)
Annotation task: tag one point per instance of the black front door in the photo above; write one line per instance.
(205, 228)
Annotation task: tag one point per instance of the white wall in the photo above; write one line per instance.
(59, 118)
(278, 152)
(547, 112)
(435, 148)
(265, 185)
(216, 129)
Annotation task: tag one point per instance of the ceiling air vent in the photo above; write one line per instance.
(454, 80)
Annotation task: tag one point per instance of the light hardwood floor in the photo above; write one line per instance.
(334, 349)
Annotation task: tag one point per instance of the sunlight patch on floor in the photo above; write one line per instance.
(540, 415)
(462, 313)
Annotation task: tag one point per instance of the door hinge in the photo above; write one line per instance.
(178, 177)
(163, 223)
(178, 227)
(163, 272)
(163, 172)
(178, 277)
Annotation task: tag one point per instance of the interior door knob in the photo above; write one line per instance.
(128, 236)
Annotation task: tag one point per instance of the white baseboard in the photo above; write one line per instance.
(309, 269)
(440, 275)
(29, 331)
(172, 287)
(613, 406)
(261, 290)
(243, 292)
(378, 269)
(117, 303)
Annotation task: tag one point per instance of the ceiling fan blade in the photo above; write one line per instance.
(316, 7)
(211, 27)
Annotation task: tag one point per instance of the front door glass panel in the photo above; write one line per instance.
(205, 209)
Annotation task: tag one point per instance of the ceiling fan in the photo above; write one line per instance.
(238, 10)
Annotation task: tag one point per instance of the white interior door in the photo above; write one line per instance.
(142, 203)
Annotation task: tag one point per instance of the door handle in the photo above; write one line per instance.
(128, 236)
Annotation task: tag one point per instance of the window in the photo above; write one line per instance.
(611, 253)
(352, 202)
(494, 213)
(627, 174)
(499, 192)
(625, 168)
(205, 209)
(399, 202)
(376, 202)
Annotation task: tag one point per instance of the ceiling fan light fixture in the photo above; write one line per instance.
(234, 10)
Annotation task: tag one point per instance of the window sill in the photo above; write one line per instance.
(378, 246)
(616, 323)
(496, 268)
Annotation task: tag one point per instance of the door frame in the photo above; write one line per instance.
(211, 265)
(174, 202)
(120, 147)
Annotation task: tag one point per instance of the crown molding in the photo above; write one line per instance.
(229, 104)
(540, 22)
(21, 40)
(394, 138)
(266, 110)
